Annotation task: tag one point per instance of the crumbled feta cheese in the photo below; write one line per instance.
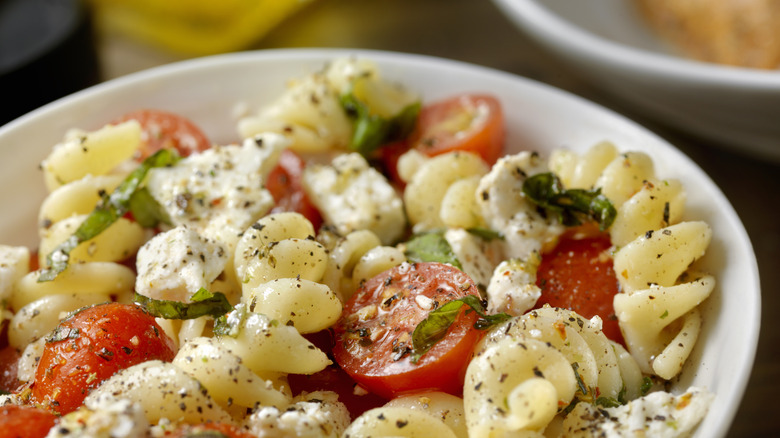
(659, 414)
(477, 256)
(316, 415)
(219, 192)
(14, 263)
(10, 399)
(175, 264)
(119, 419)
(352, 195)
(513, 288)
(505, 209)
(28, 362)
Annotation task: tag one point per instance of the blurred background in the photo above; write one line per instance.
(50, 48)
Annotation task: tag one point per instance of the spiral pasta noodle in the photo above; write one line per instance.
(77, 172)
(536, 371)
(355, 258)
(657, 306)
(440, 190)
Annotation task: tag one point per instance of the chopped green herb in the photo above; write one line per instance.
(573, 206)
(485, 233)
(622, 396)
(580, 383)
(372, 131)
(647, 384)
(434, 327)
(202, 303)
(567, 410)
(110, 208)
(608, 402)
(665, 314)
(431, 247)
(146, 210)
(229, 324)
(60, 334)
(204, 433)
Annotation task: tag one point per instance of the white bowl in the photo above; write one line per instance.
(608, 41)
(538, 117)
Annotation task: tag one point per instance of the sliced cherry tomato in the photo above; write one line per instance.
(90, 346)
(578, 275)
(333, 378)
(373, 336)
(163, 130)
(25, 422)
(209, 430)
(286, 186)
(9, 365)
(387, 157)
(468, 122)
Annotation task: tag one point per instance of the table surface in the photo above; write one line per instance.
(475, 31)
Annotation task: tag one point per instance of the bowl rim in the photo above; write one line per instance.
(540, 20)
(721, 423)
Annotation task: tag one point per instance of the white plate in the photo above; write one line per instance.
(538, 117)
(608, 41)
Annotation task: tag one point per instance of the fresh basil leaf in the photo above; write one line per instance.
(573, 206)
(203, 303)
(608, 402)
(485, 233)
(110, 208)
(230, 323)
(372, 131)
(146, 210)
(434, 327)
(622, 396)
(580, 383)
(431, 247)
(204, 434)
(647, 385)
(60, 334)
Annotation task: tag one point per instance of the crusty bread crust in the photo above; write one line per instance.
(734, 32)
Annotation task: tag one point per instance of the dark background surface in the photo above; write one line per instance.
(475, 31)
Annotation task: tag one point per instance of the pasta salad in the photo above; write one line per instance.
(362, 263)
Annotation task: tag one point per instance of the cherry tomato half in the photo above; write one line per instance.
(9, 365)
(333, 378)
(92, 345)
(387, 159)
(163, 130)
(467, 122)
(209, 430)
(25, 422)
(373, 336)
(286, 186)
(578, 275)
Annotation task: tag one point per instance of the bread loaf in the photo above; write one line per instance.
(734, 32)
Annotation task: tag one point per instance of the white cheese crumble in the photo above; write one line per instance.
(315, 415)
(220, 191)
(505, 209)
(14, 263)
(513, 288)
(477, 256)
(175, 264)
(352, 195)
(119, 419)
(659, 414)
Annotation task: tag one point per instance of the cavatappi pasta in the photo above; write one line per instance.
(540, 371)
